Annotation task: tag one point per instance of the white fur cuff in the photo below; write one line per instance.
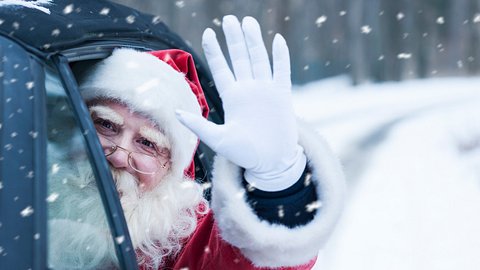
(274, 245)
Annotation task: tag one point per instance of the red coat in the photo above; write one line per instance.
(207, 250)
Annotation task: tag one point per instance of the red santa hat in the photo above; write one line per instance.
(155, 89)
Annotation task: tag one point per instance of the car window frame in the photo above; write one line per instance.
(113, 209)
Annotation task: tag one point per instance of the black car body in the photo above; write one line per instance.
(43, 44)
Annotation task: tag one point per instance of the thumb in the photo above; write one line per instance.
(208, 132)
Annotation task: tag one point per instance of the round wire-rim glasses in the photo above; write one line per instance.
(143, 159)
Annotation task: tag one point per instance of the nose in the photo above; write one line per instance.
(119, 160)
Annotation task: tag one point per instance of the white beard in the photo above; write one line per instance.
(158, 220)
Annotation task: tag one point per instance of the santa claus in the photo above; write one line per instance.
(277, 189)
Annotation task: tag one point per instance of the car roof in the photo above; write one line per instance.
(56, 25)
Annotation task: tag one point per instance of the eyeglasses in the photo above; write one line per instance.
(141, 162)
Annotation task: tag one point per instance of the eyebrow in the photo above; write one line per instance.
(107, 113)
(155, 136)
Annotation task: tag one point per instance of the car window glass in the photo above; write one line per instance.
(79, 235)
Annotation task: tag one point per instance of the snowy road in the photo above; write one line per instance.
(411, 153)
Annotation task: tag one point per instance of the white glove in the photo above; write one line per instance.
(260, 131)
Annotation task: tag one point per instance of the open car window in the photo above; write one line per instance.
(78, 231)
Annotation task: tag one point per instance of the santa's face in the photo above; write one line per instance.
(132, 143)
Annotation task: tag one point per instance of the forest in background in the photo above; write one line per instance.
(368, 40)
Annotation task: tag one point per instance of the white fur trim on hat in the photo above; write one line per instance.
(275, 245)
(151, 87)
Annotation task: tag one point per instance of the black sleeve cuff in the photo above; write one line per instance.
(294, 206)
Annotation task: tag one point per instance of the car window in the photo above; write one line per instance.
(78, 233)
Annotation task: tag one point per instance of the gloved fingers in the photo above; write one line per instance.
(256, 48)
(237, 48)
(281, 61)
(208, 132)
(222, 75)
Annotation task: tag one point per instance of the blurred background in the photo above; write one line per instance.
(370, 40)
(393, 86)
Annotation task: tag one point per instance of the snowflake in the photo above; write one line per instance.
(55, 168)
(1, 185)
(36, 236)
(320, 20)
(104, 11)
(400, 16)
(68, 9)
(476, 18)
(440, 20)
(28, 4)
(366, 29)
(28, 211)
(30, 85)
(34, 134)
(120, 239)
(217, 22)
(180, 4)
(56, 32)
(52, 197)
(130, 19)
(342, 13)
(404, 55)
(312, 206)
(156, 20)
(281, 212)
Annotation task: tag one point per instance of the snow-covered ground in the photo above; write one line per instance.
(411, 153)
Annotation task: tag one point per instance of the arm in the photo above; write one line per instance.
(262, 143)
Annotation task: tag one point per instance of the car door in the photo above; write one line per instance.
(46, 141)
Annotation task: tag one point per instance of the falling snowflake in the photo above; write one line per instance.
(207, 249)
(120, 239)
(281, 212)
(287, 18)
(366, 29)
(180, 4)
(104, 11)
(404, 55)
(400, 16)
(29, 85)
(381, 57)
(320, 20)
(130, 19)
(55, 168)
(56, 32)
(217, 22)
(14, 134)
(440, 20)
(33, 134)
(1, 185)
(476, 18)
(68, 9)
(28, 211)
(204, 186)
(156, 20)
(459, 64)
(312, 206)
(306, 67)
(1, 250)
(36, 236)
(342, 13)
(52, 197)
(29, 174)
